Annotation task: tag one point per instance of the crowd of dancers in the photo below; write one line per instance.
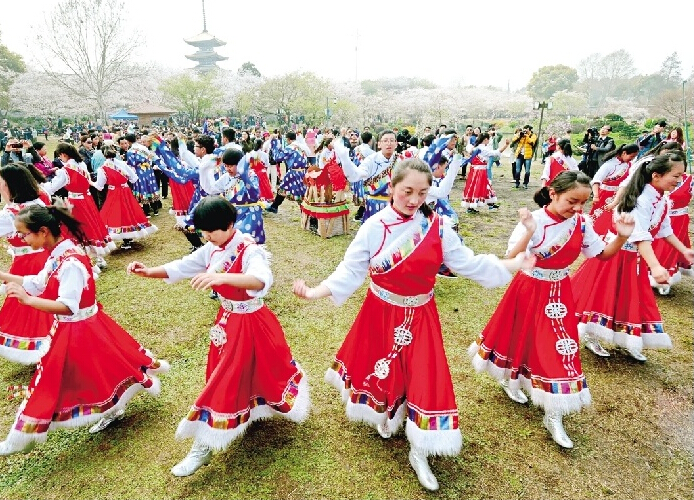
(391, 371)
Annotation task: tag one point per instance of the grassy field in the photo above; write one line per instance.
(635, 441)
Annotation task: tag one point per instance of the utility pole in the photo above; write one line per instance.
(541, 106)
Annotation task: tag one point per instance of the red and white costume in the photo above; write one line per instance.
(251, 373)
(609, 176)
(614, 300)
(121, 212)
(392, 364)
(75, 178)
(531, 339)
(478, 190)
(23, 329)
(259, 162)
(93, 367)
(556, 164)
(669, 258)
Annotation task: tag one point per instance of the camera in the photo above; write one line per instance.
(16, 145)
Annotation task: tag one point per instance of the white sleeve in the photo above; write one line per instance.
(59, 181)
(219, 186)
(665, 228)
(190, 265)
(189, 157)
(545, 169)
(351, 272)
(72, 282)
(256, 264)
(519, 232)
(100, 179)
(592, 244)
(642, 220)
(35, 284)
(487, 270)
(6, 223)
(127, 170)
(352, 172)
(602, 172)
(207, 180)
(446, 184)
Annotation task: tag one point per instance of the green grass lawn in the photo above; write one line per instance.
(635, 441)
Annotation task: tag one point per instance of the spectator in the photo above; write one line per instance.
(652, 139)
(604, 144)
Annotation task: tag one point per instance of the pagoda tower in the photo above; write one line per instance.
(205, 56)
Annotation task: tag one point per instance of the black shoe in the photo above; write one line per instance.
(472, 211)
(271, 209)
(525, 186)
(214, 295)
(517, 186)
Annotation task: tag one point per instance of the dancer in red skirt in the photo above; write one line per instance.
(478, 188)
(614, 300)
(605, 184)
(75, 178)
(122, 214)
(23, 329)
(259, 162)
(251, 373)
(392, 366)
(558, 162)
(667, 255)
(93, 367)
(537, 350)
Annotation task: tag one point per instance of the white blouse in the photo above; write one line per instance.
(369, 247)
(569, 163)
(73, 278)
(648, 211)
(211, 258)
(549, 232)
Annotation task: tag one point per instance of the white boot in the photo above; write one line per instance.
(383, 430)
(418, 461)
(198, 456)
(106, 421)
(10, 448)
(593, 345)
(100, 262)
(552, 422)
(515, 394)
(636, 354)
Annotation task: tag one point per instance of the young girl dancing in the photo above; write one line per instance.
(23, 329)
(667, 255)
(93, 367)
(251, 373)
(558, 162)
(614, 300)
(392, 365)
(538, 349)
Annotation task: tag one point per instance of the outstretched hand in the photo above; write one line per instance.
(302, 290)
(137, 268)
(204, 281)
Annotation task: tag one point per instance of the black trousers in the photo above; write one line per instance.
(162, 183)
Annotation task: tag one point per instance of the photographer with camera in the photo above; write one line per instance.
(14, 152)
(589, 162)
(525, 141)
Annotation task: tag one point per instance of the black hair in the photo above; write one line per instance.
(623, 148)
(232, 156)
(190, 146)
(213, 213)
(664, 146)
(38, 145)
(481, 137)
(34, 217)
(206, 142)
(229, 133)
(20, 183)
(35, 172)
(366, 137)
(69, 150)
(290, 135)
(257, 144)
(565, 181)
(428, 139)
(450, 131)
(660, 164)
(131, 138)
(564, 145)
(413, 141)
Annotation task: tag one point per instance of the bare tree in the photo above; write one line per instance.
(87, 39)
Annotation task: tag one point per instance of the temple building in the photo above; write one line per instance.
(205, 56)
